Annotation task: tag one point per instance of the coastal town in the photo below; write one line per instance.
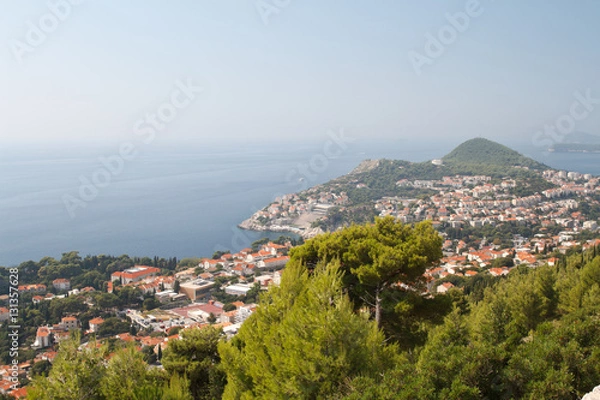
(459, 201)
(474, 201)
(222, 291)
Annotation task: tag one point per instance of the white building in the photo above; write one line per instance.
(4, 314)
(238, 289)
(61, 284)
(43, 337)
(95, 324)
(591, 225)
(135, 274)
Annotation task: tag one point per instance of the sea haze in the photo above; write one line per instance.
(178, 201)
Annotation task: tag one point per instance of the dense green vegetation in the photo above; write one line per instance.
(304, 341)
(196, 357)
(375, 257)
(534, 334)
(84, 374)
(485, 152)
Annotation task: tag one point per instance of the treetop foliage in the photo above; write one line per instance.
(82, 372)
(304, 341)
(373, 257)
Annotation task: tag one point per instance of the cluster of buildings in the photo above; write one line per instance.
(60, 285)
(461, 200)
(293, 205)
(296, 212)
(474, 201)
(245, 268)
(40, 291)
(461, 260)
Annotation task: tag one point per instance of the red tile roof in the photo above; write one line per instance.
(19, 393)
(42, 331)
(144, 270)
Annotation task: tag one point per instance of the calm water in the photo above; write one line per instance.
(176, 202)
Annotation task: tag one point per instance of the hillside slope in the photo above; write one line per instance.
(487, 152)
(474, 157)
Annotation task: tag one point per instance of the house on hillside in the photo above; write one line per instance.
(68, 323)
(238, 289)
(135, 274)
(61, 284)
(4, 314)
(273, 263)
(196, 289)
(43, 337)
(95, 324)
(444, 287)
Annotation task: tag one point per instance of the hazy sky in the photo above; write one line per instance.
(281, 69)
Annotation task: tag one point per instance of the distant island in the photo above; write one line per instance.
(575, 148)
(577, 142)
(480, 184)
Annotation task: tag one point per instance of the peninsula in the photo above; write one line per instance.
(479, 184)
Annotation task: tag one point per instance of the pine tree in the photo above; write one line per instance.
(75, 374)
(375, 257)
(304, 341)
(128, 363)
(195, 356)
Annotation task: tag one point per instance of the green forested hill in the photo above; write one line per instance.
(485, 152)
(474, 157)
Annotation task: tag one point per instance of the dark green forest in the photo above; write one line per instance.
(484, 151)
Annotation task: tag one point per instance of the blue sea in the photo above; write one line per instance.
(178, 201)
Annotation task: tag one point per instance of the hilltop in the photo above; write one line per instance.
(474, 157)
(487, 152)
